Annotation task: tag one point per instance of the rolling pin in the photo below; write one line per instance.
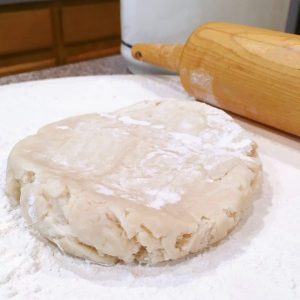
(249, 71)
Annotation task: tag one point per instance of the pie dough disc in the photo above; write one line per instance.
(152, 182)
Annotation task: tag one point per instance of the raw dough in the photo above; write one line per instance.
(153, 182)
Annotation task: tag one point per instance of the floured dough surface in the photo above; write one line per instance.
(153, 182)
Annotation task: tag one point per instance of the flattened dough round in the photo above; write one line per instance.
(153, 182)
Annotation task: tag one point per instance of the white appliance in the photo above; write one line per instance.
(172, 21)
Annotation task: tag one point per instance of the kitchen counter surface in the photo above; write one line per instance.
(259, 259)
(115, 64)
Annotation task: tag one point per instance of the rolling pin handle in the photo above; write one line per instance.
(163, 55)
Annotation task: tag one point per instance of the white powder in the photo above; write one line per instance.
(128, 120)
(62, 127)
(162, 197)
(31, 208)
(104, 190)
(259, 261)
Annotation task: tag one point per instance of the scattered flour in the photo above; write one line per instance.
(162, 197)
(62, 127)
(260, 261)
(128, 120)
(104, 190)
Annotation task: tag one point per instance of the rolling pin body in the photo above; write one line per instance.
(250, 71)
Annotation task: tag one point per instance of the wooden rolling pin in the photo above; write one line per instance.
(250, 71)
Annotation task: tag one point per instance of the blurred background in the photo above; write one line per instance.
(38, 34)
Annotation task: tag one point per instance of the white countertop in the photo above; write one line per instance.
(259, 260)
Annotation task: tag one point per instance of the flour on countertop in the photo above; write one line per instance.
(260, 261)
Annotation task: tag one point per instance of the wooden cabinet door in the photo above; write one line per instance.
(48, 33)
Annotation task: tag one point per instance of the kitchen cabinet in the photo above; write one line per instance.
(40, 34)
